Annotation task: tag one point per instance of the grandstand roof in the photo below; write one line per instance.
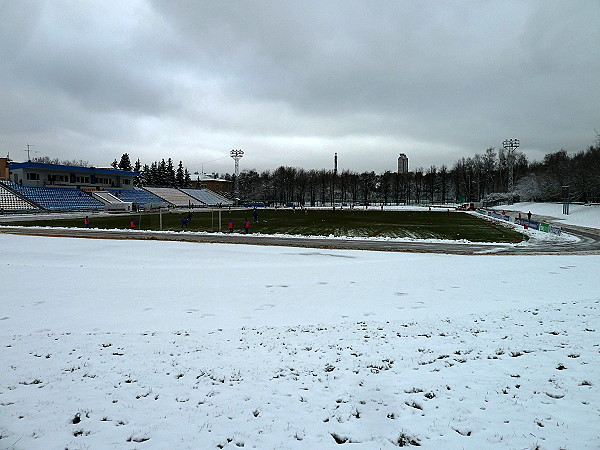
(35, 165)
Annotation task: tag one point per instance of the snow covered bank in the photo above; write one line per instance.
(581, 215)
(131, 344)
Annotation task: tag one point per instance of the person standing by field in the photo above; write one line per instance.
(86, 222)
(132, 224)
(230, 225)
(247, 226)
(529, 216)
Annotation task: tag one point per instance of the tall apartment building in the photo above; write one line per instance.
(402, 163)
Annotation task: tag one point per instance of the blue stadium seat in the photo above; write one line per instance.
(56, 198)
(136, 195)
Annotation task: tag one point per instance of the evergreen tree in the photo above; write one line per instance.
(179, 176)
(145, 176)
(170, 173)
(162, 179)
(155, 174)
(125, 163)
(137, 168)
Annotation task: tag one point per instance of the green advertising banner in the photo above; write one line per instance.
(544, 227)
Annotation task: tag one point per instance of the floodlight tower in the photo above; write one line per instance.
(510, 145)
(237, 155)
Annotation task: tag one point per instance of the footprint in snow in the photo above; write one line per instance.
(4, 318)
(264, 307)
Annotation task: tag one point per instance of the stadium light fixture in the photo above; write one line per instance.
(237, 155)
(511, 145)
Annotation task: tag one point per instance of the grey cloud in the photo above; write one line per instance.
(105, 66)
(441, 80)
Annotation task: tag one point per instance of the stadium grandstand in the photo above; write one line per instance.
(139, 196)
(10, 201)
(33, 186)
(112, 203)
(208, 197)
(106, 197)
(174, 196)
(56, 198)
(58, 187)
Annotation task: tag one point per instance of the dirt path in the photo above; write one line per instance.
(589, 241)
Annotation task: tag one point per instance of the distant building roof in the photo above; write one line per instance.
(44, 166)
(205, 178)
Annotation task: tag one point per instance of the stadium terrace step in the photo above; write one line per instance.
(174, 196)
(208, 197)
(137, 195)
(10, 201)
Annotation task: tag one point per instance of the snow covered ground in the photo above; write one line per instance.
(130, 344)
(582, 215)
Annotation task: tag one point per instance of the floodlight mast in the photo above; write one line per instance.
(511, 145)
(237, 155)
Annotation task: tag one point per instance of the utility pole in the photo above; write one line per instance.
(28, 148)
(566, 198)
(237, 155)
(333, 181)
(511, 145)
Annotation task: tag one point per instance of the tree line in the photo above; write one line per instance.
(481, 178)
(159, 173)
(67, 162)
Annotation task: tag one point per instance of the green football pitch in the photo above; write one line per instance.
(356, 223)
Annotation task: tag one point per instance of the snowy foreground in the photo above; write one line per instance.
(128, 344)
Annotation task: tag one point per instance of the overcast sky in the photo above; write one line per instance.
(293, 82)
